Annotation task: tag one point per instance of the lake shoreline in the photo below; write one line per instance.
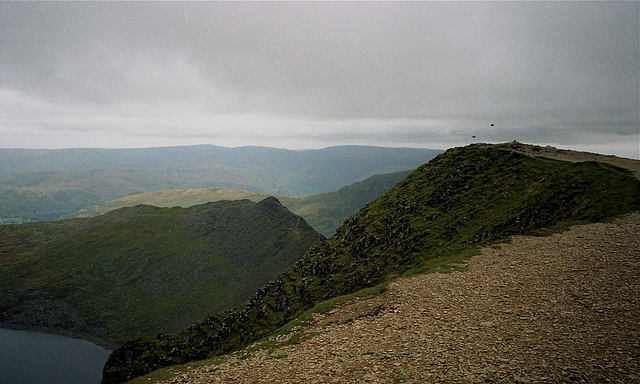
(110, 345)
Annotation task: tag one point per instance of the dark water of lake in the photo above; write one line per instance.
(35, 358)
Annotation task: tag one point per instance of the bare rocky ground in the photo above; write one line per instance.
(571, 155)
(557, 309)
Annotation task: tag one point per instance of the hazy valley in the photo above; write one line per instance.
(37, 185)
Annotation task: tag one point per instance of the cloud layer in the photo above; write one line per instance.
(314, 74)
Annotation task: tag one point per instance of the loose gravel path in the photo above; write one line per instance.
(556, 309)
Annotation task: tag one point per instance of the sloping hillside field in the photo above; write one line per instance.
(143, 270)
(439, 214)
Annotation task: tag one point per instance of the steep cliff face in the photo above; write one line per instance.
(463, 198)
(143, 270)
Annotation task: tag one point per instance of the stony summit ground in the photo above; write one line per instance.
(560, 308)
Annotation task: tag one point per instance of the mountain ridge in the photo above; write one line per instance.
(440, 213)
(325, 212)
(537, 309)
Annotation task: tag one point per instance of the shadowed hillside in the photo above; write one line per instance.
(143, 270)
(439, 214)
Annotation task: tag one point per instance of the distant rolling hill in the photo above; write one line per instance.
(38, 185)
(325, 212)
(143, 270)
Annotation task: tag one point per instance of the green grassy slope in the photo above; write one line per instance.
(327, 211)
(144, 270)
(443, 211)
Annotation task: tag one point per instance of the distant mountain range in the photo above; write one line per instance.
(37, 185)
(432, 220)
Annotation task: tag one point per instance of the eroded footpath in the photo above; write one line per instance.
(554, 309)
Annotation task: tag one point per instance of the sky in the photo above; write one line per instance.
(312, 74)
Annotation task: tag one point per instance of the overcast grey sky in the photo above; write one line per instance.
(316, 74)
